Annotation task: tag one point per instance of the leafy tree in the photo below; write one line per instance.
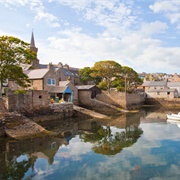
(127, 80)
(13, 53)
(131, 77)
(102, 85)
(107, 70)
(85, 76)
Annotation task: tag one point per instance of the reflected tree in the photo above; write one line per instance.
(96, 133)
(108, 143)
(16, 170)
(115, 143)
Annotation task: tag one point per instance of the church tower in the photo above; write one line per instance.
(35, 64)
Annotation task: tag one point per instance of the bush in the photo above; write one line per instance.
(120, 88)
(20, 91)
(102, 85)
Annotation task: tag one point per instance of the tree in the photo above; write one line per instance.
(131, 77)
(127, 80)
(13, 53)
(107, 70)
(84, 75)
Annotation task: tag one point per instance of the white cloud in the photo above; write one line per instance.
(117, 30)
(153, 28)
(174, 18)
(36, 7)
(170, 8)
(49, 18)
(136, 50)
(165, 6)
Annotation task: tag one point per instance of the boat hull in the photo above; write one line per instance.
(173, 117)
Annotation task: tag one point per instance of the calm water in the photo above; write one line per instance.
(131, 147)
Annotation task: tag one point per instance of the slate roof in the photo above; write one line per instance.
(85, 87)
(173, 84)
(57, 89)
(154, 83)
(64, 83)
(60, 89)
(67, 72)
(36, 73)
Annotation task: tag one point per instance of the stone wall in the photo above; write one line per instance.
(84, 97)
(60, 111)
(32, 100)
(161, 94)
(115, 98)
(121, 99)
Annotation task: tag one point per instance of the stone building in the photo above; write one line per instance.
(159, 89)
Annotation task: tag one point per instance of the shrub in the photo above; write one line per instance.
(19, 91)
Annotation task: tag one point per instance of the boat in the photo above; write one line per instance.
(171, 121)
(173, 116)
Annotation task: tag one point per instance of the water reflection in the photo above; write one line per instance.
(107, 142)
(18, 156)
(131, 146)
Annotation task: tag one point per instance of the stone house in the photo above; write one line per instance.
(61, 94)
(174, 85)
(65, 73)
(86, 92)
(47, 79)
(159, 89)
(73, 88)
(42, 79)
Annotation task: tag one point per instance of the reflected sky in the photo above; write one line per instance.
(134, 149)
(155, 155)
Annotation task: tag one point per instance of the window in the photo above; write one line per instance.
(51, 82)
(168, 93)
(158, 93)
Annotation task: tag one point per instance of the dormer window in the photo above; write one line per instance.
(51, 82)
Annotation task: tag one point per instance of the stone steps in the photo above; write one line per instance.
(89, 112)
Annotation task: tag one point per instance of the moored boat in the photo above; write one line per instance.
(171, 121)
(173, 116)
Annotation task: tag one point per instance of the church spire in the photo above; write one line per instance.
(32, 44)
(35, 63)
(32, 40)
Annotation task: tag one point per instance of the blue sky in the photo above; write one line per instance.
(142, 34)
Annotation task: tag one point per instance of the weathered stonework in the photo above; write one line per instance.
(32, 100)
(120, 99)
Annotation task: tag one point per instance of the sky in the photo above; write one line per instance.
(141, 34)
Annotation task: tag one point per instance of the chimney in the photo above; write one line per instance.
(50, 66)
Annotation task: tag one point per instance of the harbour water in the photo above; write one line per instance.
(132, 146)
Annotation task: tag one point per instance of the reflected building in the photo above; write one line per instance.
(42, 147)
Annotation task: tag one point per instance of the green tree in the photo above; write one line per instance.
(107, 70)
(131, 77)
(127, 80)
(84, 75)
(13, 53)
